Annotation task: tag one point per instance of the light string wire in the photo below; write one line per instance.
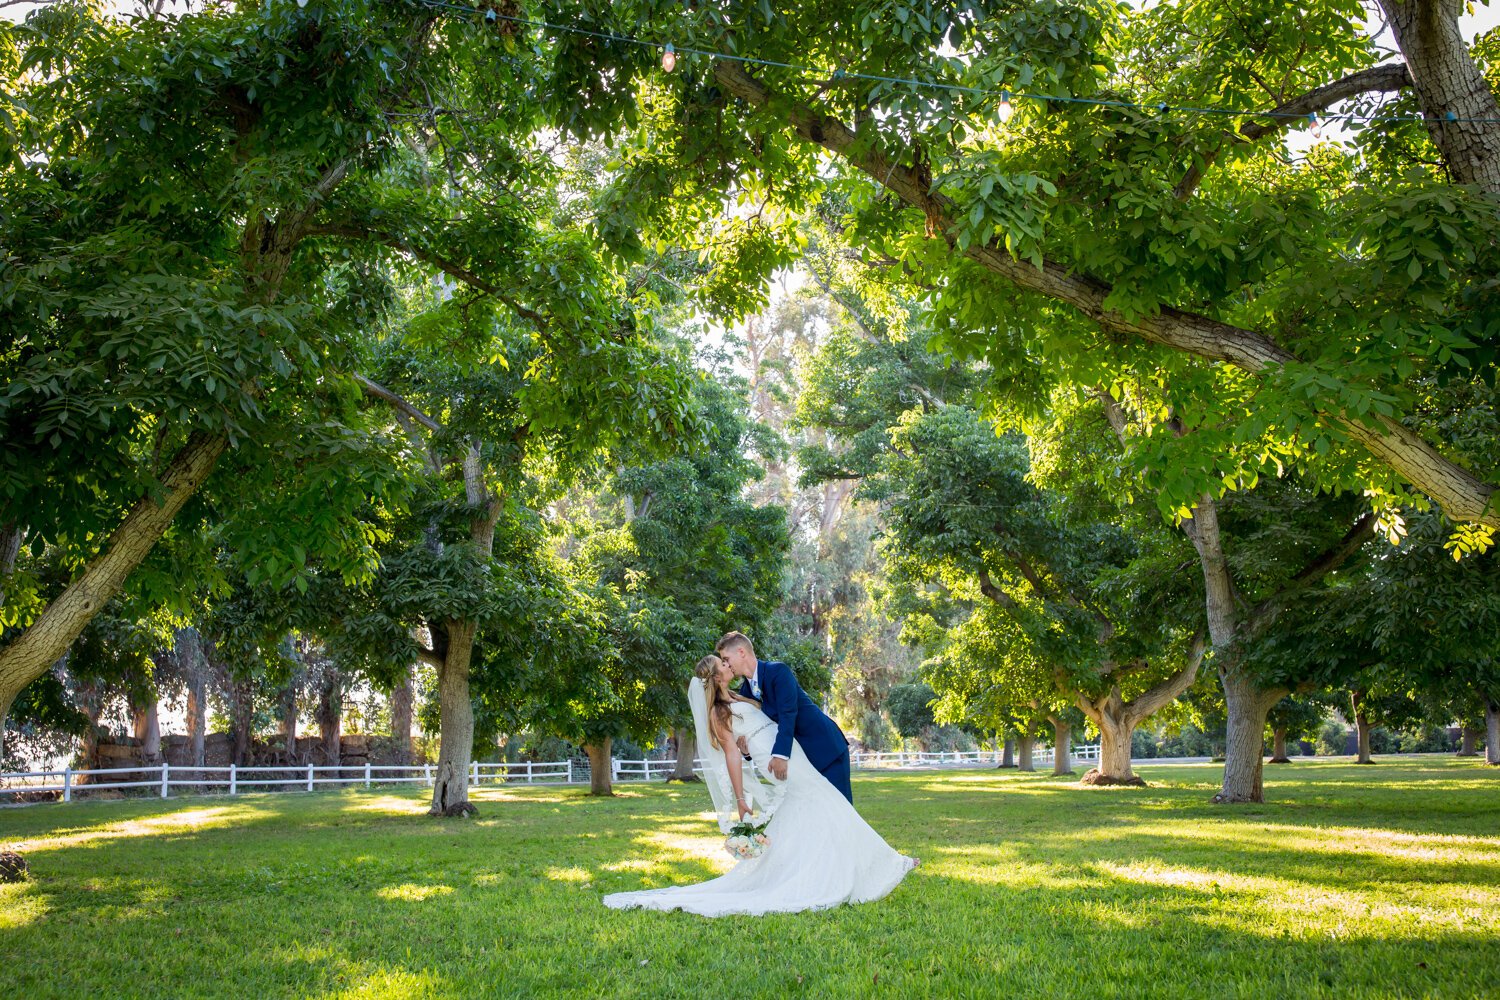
(1161, 109)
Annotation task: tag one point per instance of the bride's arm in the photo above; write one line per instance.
(733, 766)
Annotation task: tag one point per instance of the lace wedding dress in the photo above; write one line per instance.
(821, 853)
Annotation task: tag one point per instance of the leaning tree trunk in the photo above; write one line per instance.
(402, 697)
(50, 635)
(601, 769)
(1459, 108)
(1492, 732)
(1278, 746)
(1468, 742)
(1062, 742)
(1008, 754)
(687, 752)
(1027, 744)
(450, 789)
(1361, 726)
(1245, 737)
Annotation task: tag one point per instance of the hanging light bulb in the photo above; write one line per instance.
(669, 58)
(1314, 125)
(1005, 110)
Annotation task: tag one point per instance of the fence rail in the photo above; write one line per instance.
(234, 779)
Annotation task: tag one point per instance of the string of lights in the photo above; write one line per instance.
(1005, 108)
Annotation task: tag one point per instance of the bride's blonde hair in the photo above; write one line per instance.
(718, 697)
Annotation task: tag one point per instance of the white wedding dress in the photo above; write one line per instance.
(821, 852)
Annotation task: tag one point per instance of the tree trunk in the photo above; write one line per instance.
(331, 717)
(146, 724)
(1116, 727)
(48, 638)
(402, 697)
(1062, 744)
(1008, 754)
(1468, 742)
(1459, 107)
(1027, 742)
(450, 791)
(601, 769)
(1278, 746)
(89, 700)
(1361, 726)
(1492, 732)
(687, 750)
(289, 721)
(187, 654)
(241, 719)
(1245, 738)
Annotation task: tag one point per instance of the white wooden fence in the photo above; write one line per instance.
(233, 779)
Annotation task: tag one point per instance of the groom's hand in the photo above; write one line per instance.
(778, 768)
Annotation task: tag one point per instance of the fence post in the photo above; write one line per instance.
(427, 772)
(367, 773)
(309, 777)
(68, 783)
(570, 770)
(166, 770)
(531, 772)
(473, 774)
(234, 779)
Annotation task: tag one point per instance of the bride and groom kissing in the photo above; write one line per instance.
(770, 752)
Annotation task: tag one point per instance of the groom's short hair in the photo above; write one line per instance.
(735, 639)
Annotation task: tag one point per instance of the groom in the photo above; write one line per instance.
(773, 685)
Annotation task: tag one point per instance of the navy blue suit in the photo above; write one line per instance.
(796, 717)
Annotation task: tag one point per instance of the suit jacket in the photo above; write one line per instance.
(795, 715)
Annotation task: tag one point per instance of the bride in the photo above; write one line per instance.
(821, 852)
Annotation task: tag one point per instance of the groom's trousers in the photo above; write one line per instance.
(837, 774)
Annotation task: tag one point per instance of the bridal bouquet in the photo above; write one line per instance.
(747, 840)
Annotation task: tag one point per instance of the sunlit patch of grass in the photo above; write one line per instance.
(1351, 882)
(411, 893)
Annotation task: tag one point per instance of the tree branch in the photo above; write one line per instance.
(1392, 76)
(451, 268)
(1461, 494)
(373, 388)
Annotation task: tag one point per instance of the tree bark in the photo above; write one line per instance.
(1008, 754)
(1116, 727)
(289, 715)
(402, 697)
(146, 725)
(1468, 742)
(1245, 737)
(601, 770)
(49, 637)
(241, 718)
(1492, 732)
(687, 750)
(1027, 744)
(1361, 726)
(1459, 107)
(450, 791)
(1462, 495)
(331, 717)
(190, 659)
(1062, 743)
(1278, 746)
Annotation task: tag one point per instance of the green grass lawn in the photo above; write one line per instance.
(1356, 881)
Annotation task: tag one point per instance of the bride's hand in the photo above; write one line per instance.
(744, 809)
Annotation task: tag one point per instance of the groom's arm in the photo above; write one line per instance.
(786, 711)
